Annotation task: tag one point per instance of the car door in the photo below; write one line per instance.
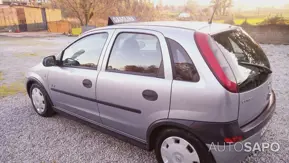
(134, 85)
(72, 84)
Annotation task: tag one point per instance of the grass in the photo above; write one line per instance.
(252, 21)
(1, 76)
(27, 55)
(239, 21)
(12, 89)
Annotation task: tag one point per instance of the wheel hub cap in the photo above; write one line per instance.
(178, 150)
(177, 157)
(38, 100)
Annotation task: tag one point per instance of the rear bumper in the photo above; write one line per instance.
(251, 133)
(259, 122)
(235, 152)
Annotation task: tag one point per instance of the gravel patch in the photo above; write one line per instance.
(19, 54)
(278, 130)
(27, 137)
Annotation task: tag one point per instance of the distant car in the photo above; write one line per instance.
(184, 15)
(175, 87)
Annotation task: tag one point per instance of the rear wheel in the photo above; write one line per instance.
(40, 101)
(179, 146)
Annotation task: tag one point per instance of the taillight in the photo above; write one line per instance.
(216, 61)
(233, 139)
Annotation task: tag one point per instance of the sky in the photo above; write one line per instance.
(237, 3)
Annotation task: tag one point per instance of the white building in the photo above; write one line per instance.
(22, 1)
(184, 15)
(14, 1)
(41, 1)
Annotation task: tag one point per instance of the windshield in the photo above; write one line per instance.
(238, 47)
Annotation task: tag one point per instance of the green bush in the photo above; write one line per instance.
(275, 20)
(245, 23)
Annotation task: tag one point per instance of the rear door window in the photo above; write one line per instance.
(138, 54)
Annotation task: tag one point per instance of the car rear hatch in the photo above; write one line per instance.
(251, 70)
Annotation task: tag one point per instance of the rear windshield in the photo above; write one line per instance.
(237, 46)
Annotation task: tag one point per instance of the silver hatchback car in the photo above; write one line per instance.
(175, 87)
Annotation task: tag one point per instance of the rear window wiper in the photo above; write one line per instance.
(260, 67)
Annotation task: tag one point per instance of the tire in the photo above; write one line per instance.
(41, 101)
(184, 146)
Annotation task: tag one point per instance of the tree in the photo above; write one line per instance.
(142, 9)
(207, 11)
(278, 19)
(191, 6)
(97, 11)
(221, 6)
(84, 10)
(160, 4)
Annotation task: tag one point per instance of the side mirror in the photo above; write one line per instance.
(49, 61)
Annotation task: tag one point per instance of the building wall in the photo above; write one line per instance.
(21, 18)
(27, 18)
(34, 19)
(8, 17)
(269, 34)
(33, 15)
(59, 26)
(21, 15)
(53, 15)
(30, 18)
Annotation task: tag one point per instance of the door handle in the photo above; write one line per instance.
(150, 95)
(87, 83)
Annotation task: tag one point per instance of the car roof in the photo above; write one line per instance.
(204, 27)
(176, 24)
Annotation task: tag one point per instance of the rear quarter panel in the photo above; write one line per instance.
(206, 100)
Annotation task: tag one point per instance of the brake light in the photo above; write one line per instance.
(205, 46)
(233, 139)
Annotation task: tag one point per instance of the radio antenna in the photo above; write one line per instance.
(215, 8)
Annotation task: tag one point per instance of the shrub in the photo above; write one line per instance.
(229, 20)
(274, 20)
(245, 23)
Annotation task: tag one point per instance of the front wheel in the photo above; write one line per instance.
(179, 146)
(40, 101)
